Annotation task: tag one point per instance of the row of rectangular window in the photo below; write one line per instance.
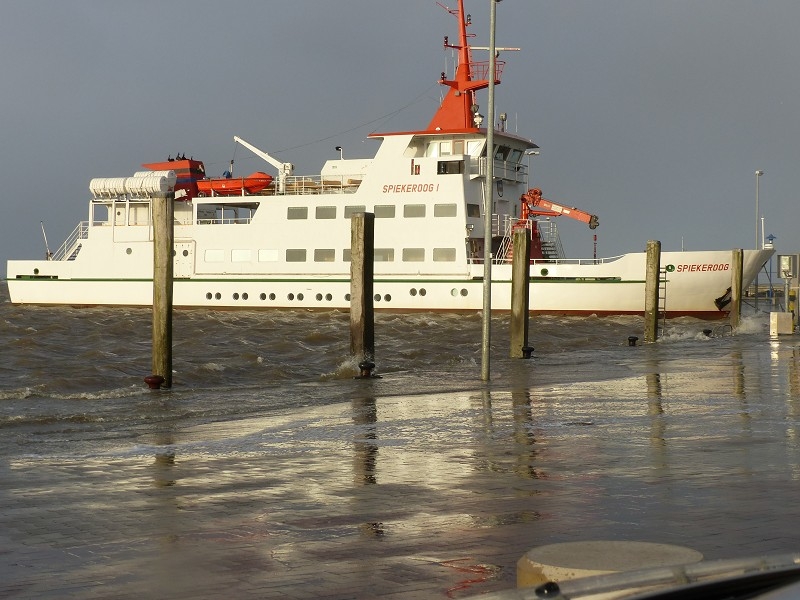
(329, 255)
(384, 211)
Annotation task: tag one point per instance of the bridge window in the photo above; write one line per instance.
(296, 255)
(212, 256)
(412, 211)
(450, 167)
(384, 254)
(413, 254)
(444, 210)
(444, 254)
(326, 212)
(267, 255)
(384, 211)
(501, 152)
(350, 210)
(242, 255)
(324, 255)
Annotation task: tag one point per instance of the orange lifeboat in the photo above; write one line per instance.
(234, 186)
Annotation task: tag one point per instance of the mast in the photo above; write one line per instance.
(458, 110)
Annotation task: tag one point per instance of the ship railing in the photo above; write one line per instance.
(503, 226)
(503, 169)
(327, 184)
(480, 70)
(510, 171)
(304, 184)
(225, 221)
(576, 261)
(81, 232)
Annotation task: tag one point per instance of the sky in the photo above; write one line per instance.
(652, 114)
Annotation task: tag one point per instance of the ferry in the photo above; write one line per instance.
(281, 240)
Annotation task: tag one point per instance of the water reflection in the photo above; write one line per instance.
(794, 375)
(365, 457)
(738, 375)
(164, 463)
(521, 404)
(163, 475)
(655, 410)
(365, 450)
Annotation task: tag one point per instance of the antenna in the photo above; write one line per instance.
(46, 247)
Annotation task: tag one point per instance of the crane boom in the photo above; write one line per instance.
(285, 169)
(533, 204)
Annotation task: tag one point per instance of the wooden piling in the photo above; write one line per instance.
(651, 291)
(737, 262)
(520, 293)
(362, 314)
(163, 243)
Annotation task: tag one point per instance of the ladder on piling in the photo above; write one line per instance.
(662, 298)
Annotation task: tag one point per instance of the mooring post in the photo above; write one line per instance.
(651, 291)
(520, 294)
(163, 242)
(362, 314)
(737, 261)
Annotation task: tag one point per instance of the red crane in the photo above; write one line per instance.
(534, 205)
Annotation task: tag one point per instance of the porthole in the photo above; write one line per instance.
(218, 296)
(129, 251)
(209, 296)
(422, 291)
(454, 292)
(328, 297)
(377, 297)
(464, 291)
(299, 296)
(544, 272)
(347, 297)
(245, 296)
(235, 295)
(387, 298)
(272, 296)
(263, 296)
(413, 291)
(319, 297)
(290, 296)
(186, 253)
(36, 271)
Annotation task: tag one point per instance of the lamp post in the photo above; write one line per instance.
(759, 173)
(770, 243)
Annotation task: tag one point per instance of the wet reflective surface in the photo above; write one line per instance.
(269, 472)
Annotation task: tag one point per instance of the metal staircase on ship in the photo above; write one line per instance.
(548, 235)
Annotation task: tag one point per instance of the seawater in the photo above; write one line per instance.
(78, 373)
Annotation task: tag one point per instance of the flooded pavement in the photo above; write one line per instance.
(431, 495)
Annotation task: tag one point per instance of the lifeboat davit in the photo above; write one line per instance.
(234, 186)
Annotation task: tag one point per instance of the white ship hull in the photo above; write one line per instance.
(602, 287)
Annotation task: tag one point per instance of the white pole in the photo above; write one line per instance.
(488, 203)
